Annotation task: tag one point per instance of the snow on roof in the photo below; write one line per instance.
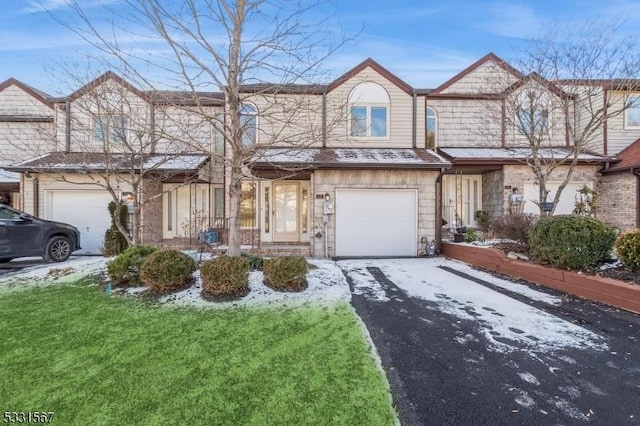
(513, 153)
(79, 161)
(351, 156)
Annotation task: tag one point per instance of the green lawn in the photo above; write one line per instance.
(95, 359)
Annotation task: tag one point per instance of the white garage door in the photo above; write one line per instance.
(376, 222)
(86, 210)
(567, 199)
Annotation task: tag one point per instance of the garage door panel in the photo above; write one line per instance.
(86, 210)
(376, 222)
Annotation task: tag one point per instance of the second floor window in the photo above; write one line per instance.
(432, 128)
(369, 121)
(533, 122)
(368, 111)
(249, 123)
(110, 128)
(632, 113)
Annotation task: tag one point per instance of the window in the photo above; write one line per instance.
(248, 205)
(632, 113)
(432, 128)
(533, 122)
(249, 123)
(369, 111)
(110, 128)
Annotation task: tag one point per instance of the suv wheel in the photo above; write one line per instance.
(58, 249)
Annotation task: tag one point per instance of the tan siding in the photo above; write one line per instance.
(23, 140)
(487, 78)
(289, 119)
(15, 101)
(467, 122)
(618, 137)
(20, 141)
(400, 115)
(108, 98)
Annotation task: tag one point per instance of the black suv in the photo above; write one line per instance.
(24, 235)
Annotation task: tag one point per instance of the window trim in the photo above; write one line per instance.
(368, 118)
(254, 116)
(627, 110)
(426, 129)
(101, 136)
(548, 127)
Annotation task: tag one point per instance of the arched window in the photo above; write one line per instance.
(369, 111)
(249, 123)
(432, 128)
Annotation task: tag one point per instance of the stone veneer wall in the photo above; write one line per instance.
(492, 193)
(151, 220)
(327, 181)
(618, 200)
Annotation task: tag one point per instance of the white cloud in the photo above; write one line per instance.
(511, 20)
(35, 6)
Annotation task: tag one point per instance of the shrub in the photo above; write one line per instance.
(571, 241)
(470, 236)
(167, 270)
(124, 270)
(627, 247)
(514, 226)
(255, 262)
(114, 242)
(225, 276)
(286, 273)
(483, 219)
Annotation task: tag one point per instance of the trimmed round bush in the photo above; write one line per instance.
(225, 277)
(167, 270)
(124, 270)
(514, 227)
(571, 241)
(286, 273)
(627, 247)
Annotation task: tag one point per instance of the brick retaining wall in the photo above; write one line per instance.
(599, 289)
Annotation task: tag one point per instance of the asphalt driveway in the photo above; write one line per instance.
(463, 347)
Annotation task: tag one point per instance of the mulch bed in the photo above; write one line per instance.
(617, 273)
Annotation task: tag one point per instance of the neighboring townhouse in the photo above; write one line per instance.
(26, 131)
(469, 123)
(117, 141)
(363, 166)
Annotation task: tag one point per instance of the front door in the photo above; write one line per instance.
(462, 198)
(286, 204)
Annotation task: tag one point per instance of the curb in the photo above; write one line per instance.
(599, 289)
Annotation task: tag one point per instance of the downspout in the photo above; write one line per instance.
(503, 124)
(414, 136)
(605, 138)
(36, 197)
(324, 118)
(438, 229)
(637, 174)
(67, 130)
(152, 120)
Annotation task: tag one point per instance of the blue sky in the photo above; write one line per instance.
(423, 42)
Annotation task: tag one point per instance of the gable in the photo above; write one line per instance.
(488, 75)
(375, 71)
(17, 100)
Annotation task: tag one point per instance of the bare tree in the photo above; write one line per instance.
(233, 47)
(573, 81)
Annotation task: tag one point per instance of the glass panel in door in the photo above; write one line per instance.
(286, 211)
